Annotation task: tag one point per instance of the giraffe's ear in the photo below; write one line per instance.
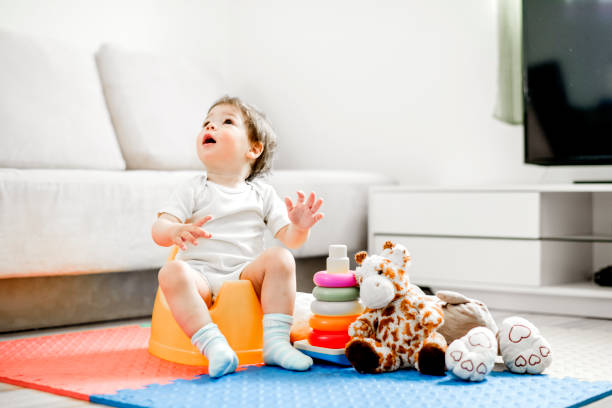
(388, 245)
(360, 256)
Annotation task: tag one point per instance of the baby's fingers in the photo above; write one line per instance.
(179, 242)
(202, 221)
(317, 205)
(199, 232)
(301, 197)
(289, 204)
(311, 199)
(188, 236)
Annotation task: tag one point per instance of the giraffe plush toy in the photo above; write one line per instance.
(398, 328)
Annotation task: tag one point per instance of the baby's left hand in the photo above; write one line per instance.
(304, 214)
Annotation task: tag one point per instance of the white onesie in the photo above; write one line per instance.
(239, 218)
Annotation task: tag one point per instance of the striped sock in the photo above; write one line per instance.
(277, 348)
(221, 358)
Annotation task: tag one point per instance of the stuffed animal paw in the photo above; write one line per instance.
(522, 347)
(472, 356)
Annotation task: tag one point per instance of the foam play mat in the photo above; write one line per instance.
(113, 367)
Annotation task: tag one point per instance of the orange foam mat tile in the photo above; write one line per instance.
(89, 362)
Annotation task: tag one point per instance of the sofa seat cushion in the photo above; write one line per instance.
(80, 221)
(52, 110)
(56, 222)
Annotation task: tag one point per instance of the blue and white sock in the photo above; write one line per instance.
(277, 348)
(221, 358)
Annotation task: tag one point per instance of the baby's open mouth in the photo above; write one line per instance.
(208, 139)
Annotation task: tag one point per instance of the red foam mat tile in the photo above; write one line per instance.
(90, 362)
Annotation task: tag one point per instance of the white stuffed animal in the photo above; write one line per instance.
(474, 340)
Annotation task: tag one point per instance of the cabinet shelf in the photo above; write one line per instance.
(574, 289)
(583, 238)
(528, 248)
(584, 298)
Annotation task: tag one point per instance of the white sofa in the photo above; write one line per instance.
(89, 150)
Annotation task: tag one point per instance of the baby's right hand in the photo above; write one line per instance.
(190, 232)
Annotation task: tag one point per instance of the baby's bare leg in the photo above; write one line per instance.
(187, 294)
(273, 277)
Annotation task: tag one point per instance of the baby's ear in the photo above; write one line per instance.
(255, 151)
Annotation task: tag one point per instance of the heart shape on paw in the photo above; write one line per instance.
(520, 361)
(519, 332)
(456, 355)
(544, 351)
(467, 365)
(533, 360)
(479, 339)
(481, 369)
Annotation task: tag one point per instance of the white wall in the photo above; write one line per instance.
(403, 87)
(189, 27)
(398, 86)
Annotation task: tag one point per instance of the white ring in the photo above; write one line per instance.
(320, 307)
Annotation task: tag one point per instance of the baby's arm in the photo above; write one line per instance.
(303, 215)
(168, 230)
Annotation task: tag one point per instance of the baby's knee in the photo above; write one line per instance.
(172, 275)
(281, 259)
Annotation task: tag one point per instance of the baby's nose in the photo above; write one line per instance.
(211, 126)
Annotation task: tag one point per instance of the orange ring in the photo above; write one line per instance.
(331, 323)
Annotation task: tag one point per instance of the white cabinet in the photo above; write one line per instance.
(492, 242)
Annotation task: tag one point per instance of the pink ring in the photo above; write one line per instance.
(334, 280)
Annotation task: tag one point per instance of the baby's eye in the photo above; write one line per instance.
(205, 124)
(380, 272)
(228, 122)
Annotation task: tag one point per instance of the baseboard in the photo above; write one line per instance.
(52, 301)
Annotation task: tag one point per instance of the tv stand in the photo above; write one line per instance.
(531, 248)
(592, 181)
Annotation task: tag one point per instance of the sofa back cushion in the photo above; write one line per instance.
(52, 110)
(157, 104)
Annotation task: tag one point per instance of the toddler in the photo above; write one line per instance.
(218, 221)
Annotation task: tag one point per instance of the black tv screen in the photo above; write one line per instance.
(567, 74)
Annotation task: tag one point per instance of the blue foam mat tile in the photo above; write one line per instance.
(334, 386)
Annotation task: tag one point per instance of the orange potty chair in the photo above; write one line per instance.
(236, 311)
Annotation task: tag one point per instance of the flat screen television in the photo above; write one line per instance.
(567, 81)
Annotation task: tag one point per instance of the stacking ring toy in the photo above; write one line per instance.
(335, 294)
(328, 339)
(331, 323)
(320, 307)
(334, 280)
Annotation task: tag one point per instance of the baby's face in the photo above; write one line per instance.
(222, 143)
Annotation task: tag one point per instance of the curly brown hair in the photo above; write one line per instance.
(259, 129)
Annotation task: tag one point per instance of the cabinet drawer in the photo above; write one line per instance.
(476, 214)
(494, 261)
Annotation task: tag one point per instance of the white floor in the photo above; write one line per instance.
(582, 348)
